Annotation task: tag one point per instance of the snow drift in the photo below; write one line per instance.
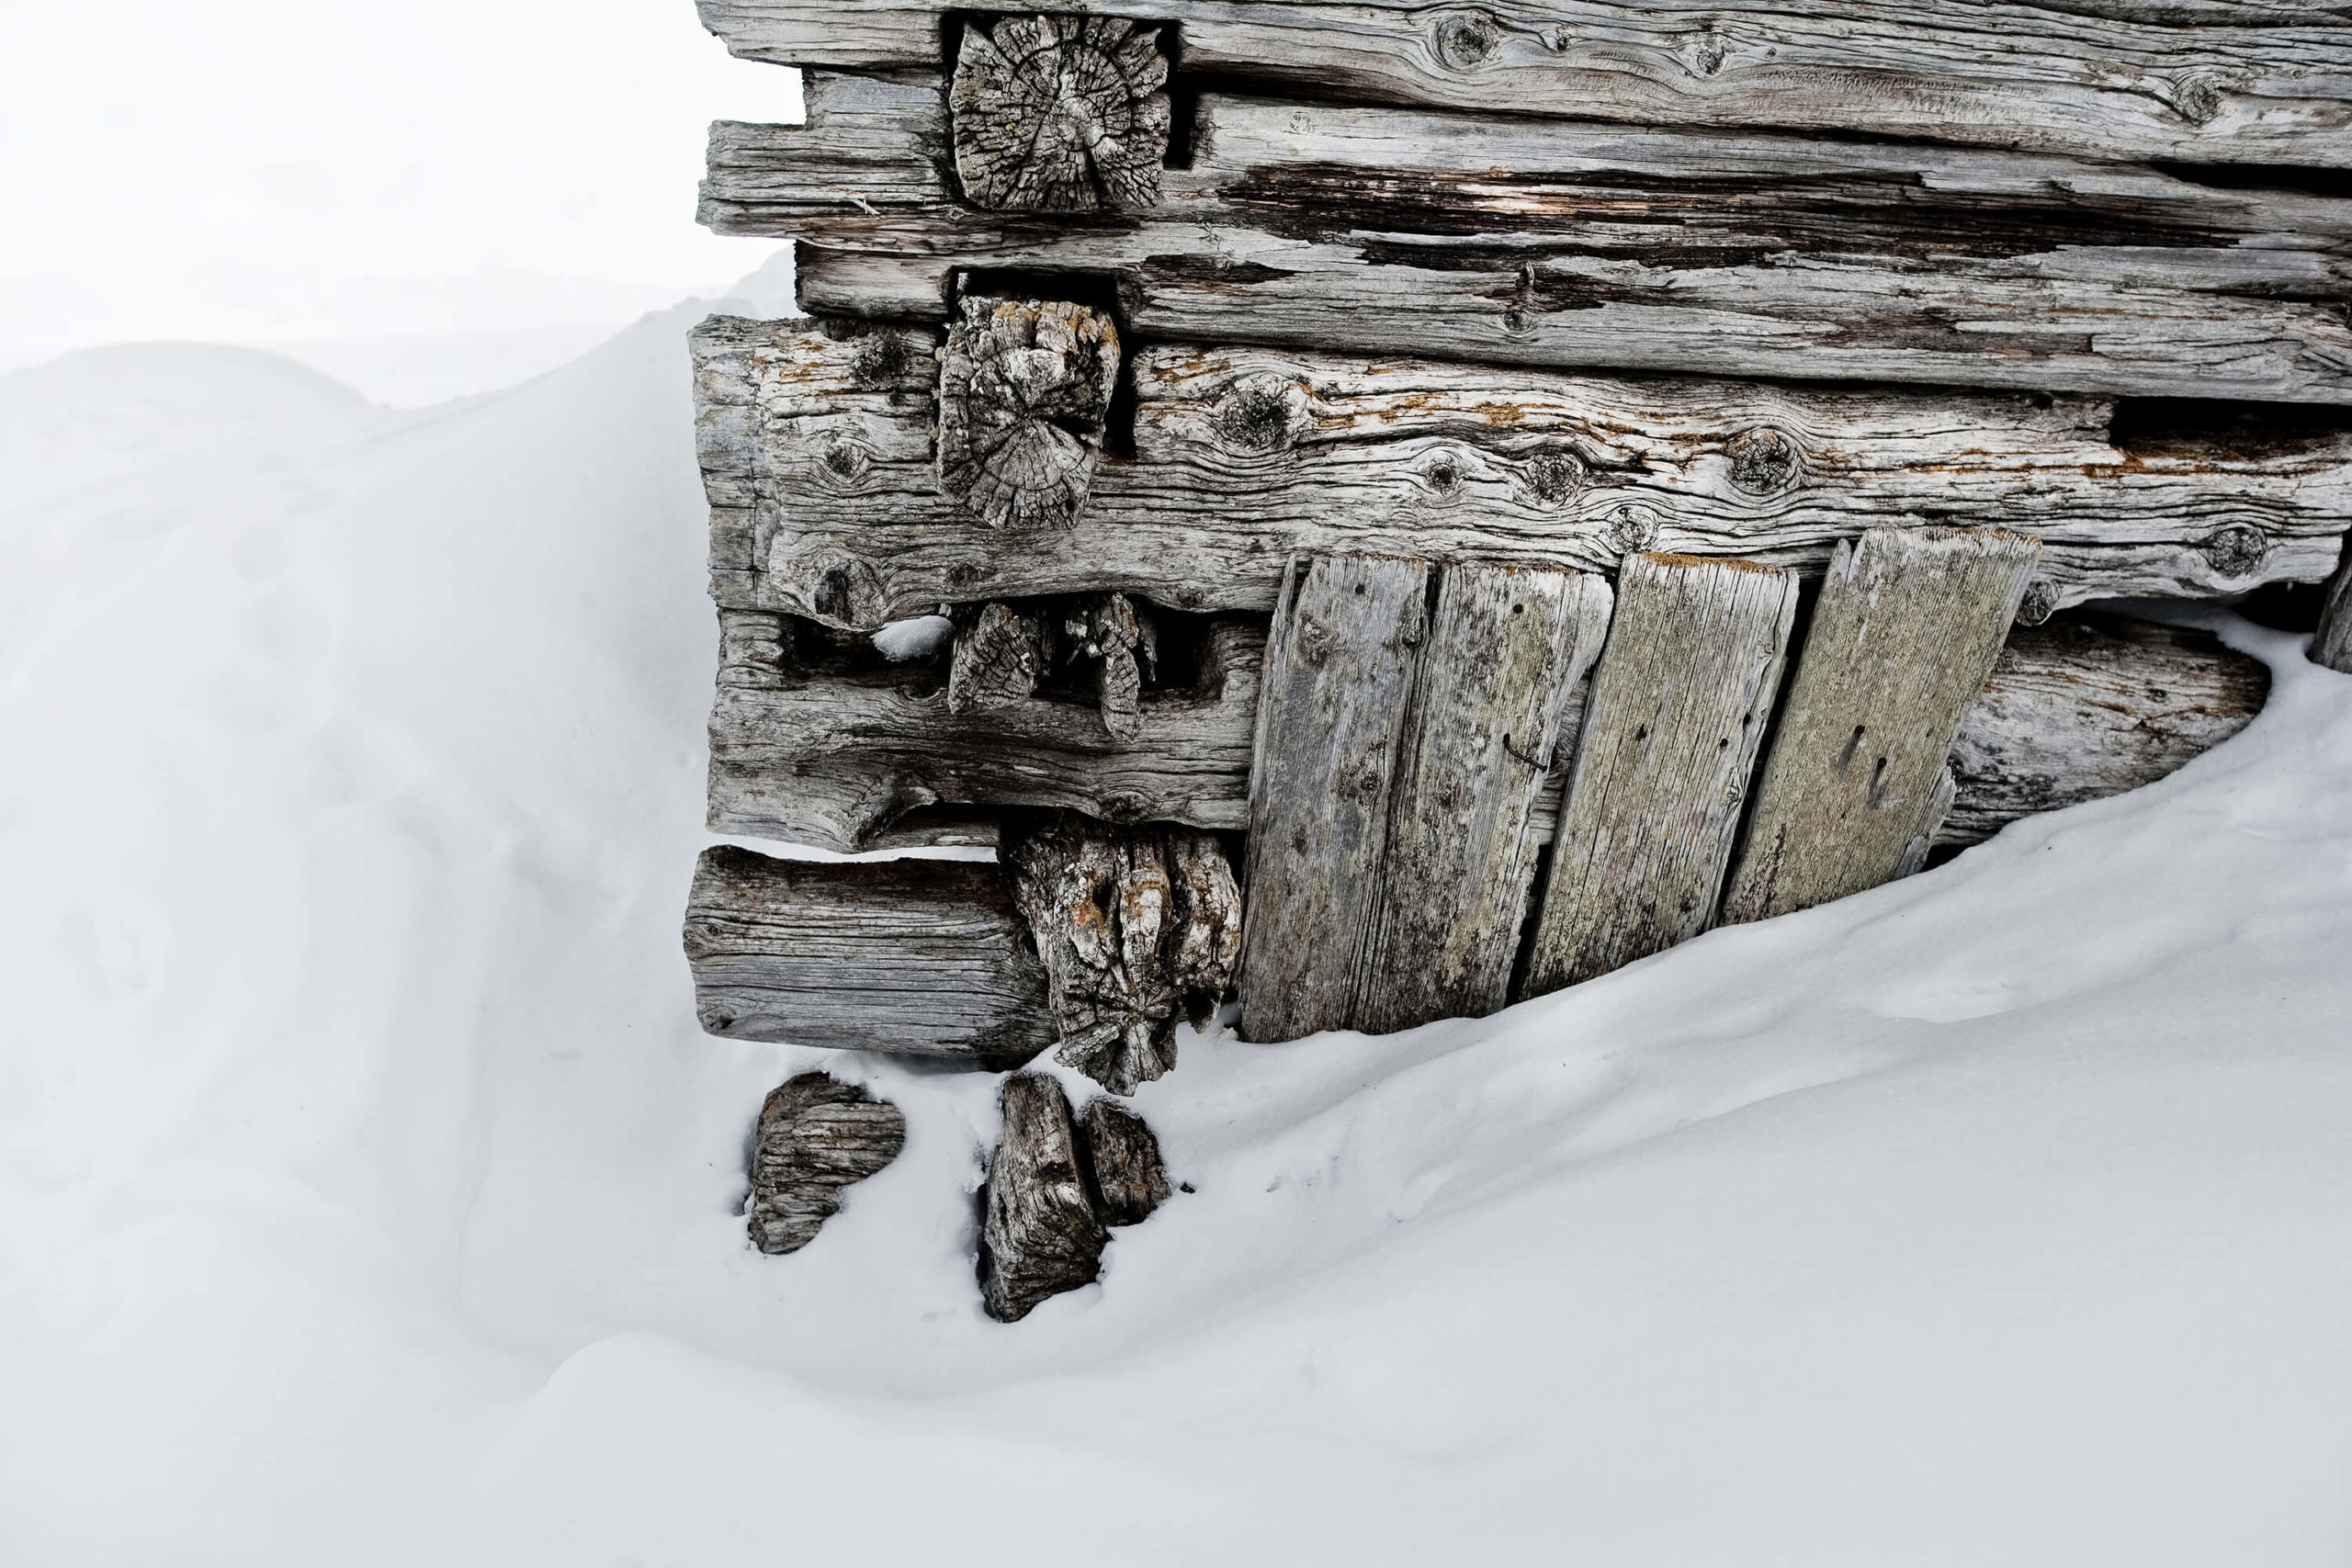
(370, 1197)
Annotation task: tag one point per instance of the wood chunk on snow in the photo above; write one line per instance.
(1130, 1179)
(816, 1137)
(1039, 1234)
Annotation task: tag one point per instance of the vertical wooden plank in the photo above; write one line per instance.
(1671, 734)
(1507, 645)
(1340, 667)
(1901, 642)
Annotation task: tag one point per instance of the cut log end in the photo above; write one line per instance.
(1061, 114)
(1023, 390)
(1130, 1181)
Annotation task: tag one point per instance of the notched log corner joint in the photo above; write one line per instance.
(1025, 387)
(1061, 114)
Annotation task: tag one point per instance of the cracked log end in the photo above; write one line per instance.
(1022, 393)
(1061, 114)
(1130, 1181)
(1137, 928)
(997, 662)
(1039, 1236)
(816, 1137)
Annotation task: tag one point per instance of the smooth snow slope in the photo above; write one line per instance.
(366, 1192)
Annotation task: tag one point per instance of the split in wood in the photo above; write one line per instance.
(816, 1135)
(1054, 1184)
(1060, 114)
(1024, 389)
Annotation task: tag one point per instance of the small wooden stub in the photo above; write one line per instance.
(1905, 633)
(997, 660)
(1341, 664)
(1677, 717)
(1130, 1181)
(1137, 928)
(816, 1137)
(1061, 114)
(2332, 640)
(920, 957)
(1039, 1234)
(1507, 645)
(1022, 392)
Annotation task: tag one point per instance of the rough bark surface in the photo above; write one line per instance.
(1130, 1179)
(1137, 928)
(810, 745)
(816, 1137)
(996, 660)
(818, 464)
(1901, 644)
(1022, 392)
(1039, 1234)
(1060, 114)
(1679, 705)
(2259, 81)
(1506, 645)
(1341, 664)
(2332, 641)
(2091, 706)
(918, 957)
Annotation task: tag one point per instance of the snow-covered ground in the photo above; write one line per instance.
(367, 1193)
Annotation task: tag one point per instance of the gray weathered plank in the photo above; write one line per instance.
(1506, 645)
(815, 747)
(919, 957)
(2090, 707)
(816, 450)
(2258, 81)
(1679, 705)
(1340, 662)
(1900, 646)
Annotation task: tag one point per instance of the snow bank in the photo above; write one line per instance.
(367, 1191)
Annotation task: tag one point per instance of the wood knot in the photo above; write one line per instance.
(2197, 99)
(1061, 114)
(1707, 52)
(1556, 476)
(1444, 472)
(2040, 603)
(843, 466)
(1262, 413)
(1466, 39)
(829, 584)
(1633, 528)
(1023, 391)
(1763, 461)
(2235, 551)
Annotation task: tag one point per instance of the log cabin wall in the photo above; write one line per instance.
(1410, 508)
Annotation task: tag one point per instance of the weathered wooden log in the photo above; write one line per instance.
(1130, 1181)
(2332, 640)
(998, 659)
(1060, 114)
(2258, 81)
(1379, 230)
(1022, 390)
(1341, 665)
(1669, 740)
(1039, 1236)
(818, 745)
(816, 1135)
(816, 449)
(1137, 928)
(2091, 706)
(1506, 646)
(1901, 644)
(919, 957)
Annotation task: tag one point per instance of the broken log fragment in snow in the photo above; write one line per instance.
(1060, 114)
(1137, 928)
(1121, 1156)
(1908, 625)
(1506, 646)
(2091, 706)
(2332, 639)
(1670, 736)
(816, 1135)
(1024, 389)
(1039, 1234)
(918, 957)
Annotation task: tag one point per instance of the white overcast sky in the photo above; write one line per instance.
(268, 171)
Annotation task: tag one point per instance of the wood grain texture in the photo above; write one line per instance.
(1023, 388)
(996, 660)
(1138, 927)
(1506, 646)
(816, 451)
(1669, 740)
(815, 1136)
(1039, 1234)
(916, 957)
(1341, 664)
(2332, 640)
(2091, 706)
(1060, 114)
(2257, 81)
(1900, 646)
(1325, 226)
(815, 747)
(1130, 1179)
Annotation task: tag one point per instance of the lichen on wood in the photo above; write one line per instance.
(1023, 389)
(816, 1135)
(1061, 114)
(1137, 928)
